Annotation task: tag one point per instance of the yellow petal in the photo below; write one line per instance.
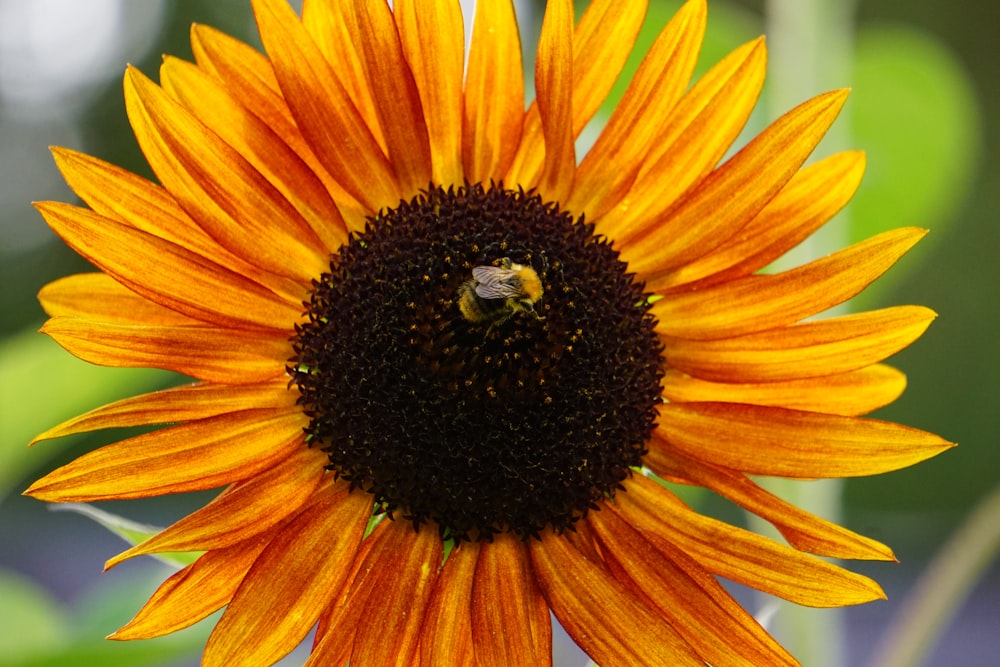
(203, 352)
(447, 631)
(180, 404)
(610, 167)
(803, 530)
(687, 595)
(790, 443)
(494, 93)
(433, 41)
(849, 394)
(510, 619)
(756, 303)
(243, 510)
(291, 582)
(122, 196)
(169, 274)
(580, 593)
(191, 594)
(258, 144)
(690, 141)
(811, 198)
(224, 194)
(738, 554)
(397, 596)
(334, 29)
(196, 456)
(734, 193)
(323, 110)
(811, 349)
(602, 43)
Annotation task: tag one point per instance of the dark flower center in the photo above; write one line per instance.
(518, 410)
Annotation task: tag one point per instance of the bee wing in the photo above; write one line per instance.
(494, 282)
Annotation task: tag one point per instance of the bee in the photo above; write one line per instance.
(497, 293)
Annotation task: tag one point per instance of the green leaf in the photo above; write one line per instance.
(132, 532)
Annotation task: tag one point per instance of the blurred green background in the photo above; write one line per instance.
(925, 106)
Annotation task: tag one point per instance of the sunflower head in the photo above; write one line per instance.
(403, 294)
(517, 422)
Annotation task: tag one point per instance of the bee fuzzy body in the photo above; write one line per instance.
(497, 293)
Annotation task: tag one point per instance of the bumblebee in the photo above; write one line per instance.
(497, 293)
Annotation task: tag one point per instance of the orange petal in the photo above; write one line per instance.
(249, 77)
(510, 619)
(398, 596)
(169, 274)
(225, 195)
(708, 618)
(243, 510)
(196, 456)
(811, 349)
(131, 200)
(191, 594)
(180, 404)
(580, 593)
(100, 298)
(494, 93)
(446, 637)
(734, 193)
(323, 109)
(576, 73)
(209, 101)
(803, 530)
(610, 167)
(738, 554)
(756, 303)
(790, 443)
(849, 394)
(396, 98)
(433, 41)
(203, 352)
(691, 140)
(812, 196)
(338, 624)
(291, 582)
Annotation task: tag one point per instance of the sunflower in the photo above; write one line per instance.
(445, 366)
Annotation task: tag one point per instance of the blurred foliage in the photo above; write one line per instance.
(38, 631)
(915, 113)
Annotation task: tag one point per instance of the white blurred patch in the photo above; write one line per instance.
(56, 56)
(52, 52)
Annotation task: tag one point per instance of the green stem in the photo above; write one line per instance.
(810, 44)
